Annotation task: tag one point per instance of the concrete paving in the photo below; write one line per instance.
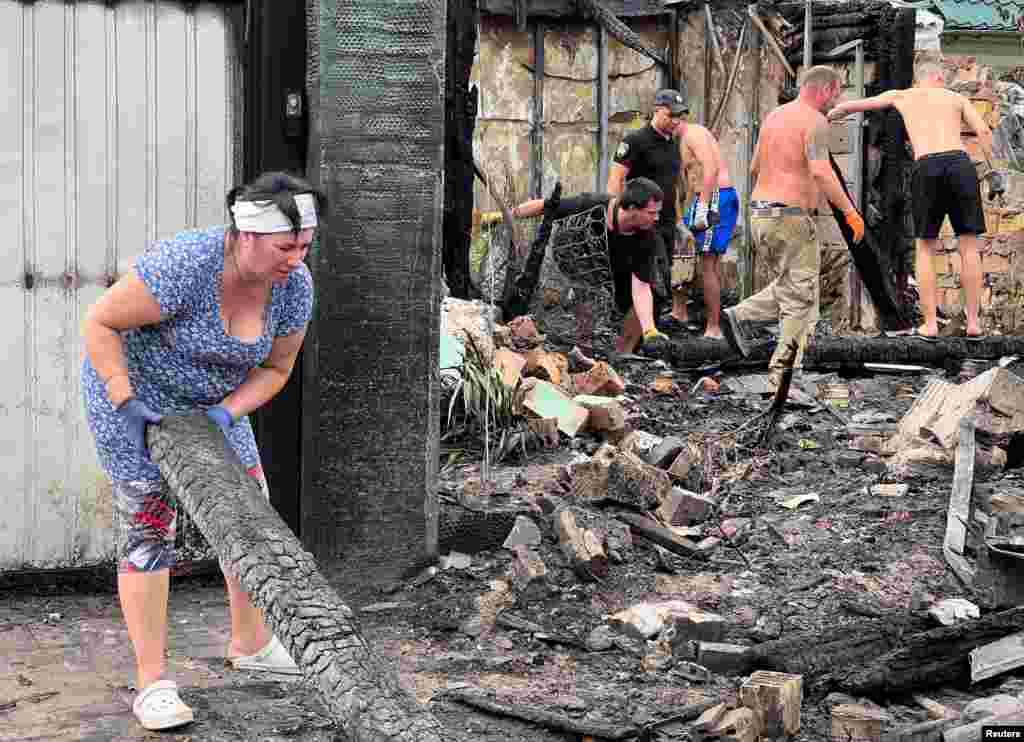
(67, 673)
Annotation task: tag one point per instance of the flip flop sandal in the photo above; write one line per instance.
(272, 658)
(159, 707)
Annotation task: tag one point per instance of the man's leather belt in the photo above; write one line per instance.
(775, 208)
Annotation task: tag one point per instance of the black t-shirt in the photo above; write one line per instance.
(648, 154)
(628, 254)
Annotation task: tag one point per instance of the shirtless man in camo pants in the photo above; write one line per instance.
(792, 170)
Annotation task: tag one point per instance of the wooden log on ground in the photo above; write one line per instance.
(320, 632)
(581, 546)
(586, 727)
(850, 351)
(817, 655)
(930, 658)
(663, 537)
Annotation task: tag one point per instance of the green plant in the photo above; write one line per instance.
(487, 402)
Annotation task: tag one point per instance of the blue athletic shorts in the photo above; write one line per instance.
(715, 240)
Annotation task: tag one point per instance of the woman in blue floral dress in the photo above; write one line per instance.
(208, 321)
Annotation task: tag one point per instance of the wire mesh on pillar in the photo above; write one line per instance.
(579, 247)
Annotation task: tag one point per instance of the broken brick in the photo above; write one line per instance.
(679, 469)
(524, 332)
(776, 698)
(606, 415)
(544, 399)
(665, 384)
(551, 367)
(639, 443)
(581, 546)
(683, 508)
(636, 484)
(601, 379)
(589, 479)
(510, 364)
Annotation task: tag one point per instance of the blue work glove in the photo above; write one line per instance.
(220, 415)
(136, 416)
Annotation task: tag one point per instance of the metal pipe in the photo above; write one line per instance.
(720, 112)
(751, 123)
(537, 132)
(857, 176)
(603, 104)
(808, 24)
(714, 39)
(706, 111)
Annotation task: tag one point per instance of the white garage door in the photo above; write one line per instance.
(119, 129)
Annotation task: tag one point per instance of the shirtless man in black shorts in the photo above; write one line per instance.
(945, 181)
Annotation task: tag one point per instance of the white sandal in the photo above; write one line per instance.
(272, 658)
(159, 706)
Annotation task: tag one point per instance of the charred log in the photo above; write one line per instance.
(618, 30)
(460, 120)
(849, 351)
(873, 269)
(928, 659)
(283, 580)
(829, 38)
(519, 288)
(817, 656)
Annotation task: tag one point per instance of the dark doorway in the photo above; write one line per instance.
(276, 138)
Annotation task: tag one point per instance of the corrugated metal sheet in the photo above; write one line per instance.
(982, 15)
(119, 130)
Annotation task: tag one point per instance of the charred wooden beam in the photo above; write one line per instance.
(571, 8)
(585, 726)
(283, 580)
(519, 287)
(618, 30)
(873, 274)
(850, 351)
(929, 659)
(460, 120)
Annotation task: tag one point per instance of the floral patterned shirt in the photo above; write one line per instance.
(187, 362)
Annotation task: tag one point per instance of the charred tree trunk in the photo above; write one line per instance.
(851, 351)
(883, 658)
(817, 656)
(459, 122)
(929, 659)
(283, 580)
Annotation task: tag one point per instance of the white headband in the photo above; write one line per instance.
(265, 217)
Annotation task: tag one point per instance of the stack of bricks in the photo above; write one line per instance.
(1002, 247)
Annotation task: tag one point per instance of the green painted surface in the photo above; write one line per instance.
(981, 15)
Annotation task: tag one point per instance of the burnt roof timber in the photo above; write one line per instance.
(574, 9)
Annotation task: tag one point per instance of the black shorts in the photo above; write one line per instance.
(946, 183)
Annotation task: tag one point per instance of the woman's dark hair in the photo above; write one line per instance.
(638, 192)
(280, 188)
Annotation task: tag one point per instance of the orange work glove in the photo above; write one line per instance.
(856, 222)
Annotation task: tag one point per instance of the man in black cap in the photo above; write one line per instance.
(653, 152)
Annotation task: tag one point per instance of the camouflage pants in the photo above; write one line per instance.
(785, 247)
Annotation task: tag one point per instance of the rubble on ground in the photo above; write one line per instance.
(667, 549)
